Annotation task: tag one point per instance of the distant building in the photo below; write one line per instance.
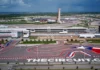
(51, 21)
(96, 23)
(77, 30)
(13, 32)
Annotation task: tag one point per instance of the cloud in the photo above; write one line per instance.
(13, 3)
(20, 3)
(50, 5)
(2, 2)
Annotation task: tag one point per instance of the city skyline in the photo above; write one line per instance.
(49, 5)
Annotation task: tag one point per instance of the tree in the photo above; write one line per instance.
(31, 41)
(71, 40)
(92, 67)
(21, 69)
(51, 40)
(63, 68)
(39, 41)
(62, 63)
(24, 63)
(77, 67)
(90, 62)
(34, 68)
(22, 40)
(75, 62)
(7, 62)
(6, 40)
(75, 40)
(67, 40)
(47, 41)
(48, 62)
(28, 69)
(48, 68)
(17, 62)
(2, 41)
(26, 40)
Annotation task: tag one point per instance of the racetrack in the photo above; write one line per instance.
(59, 50)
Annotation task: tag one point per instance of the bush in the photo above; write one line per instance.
(71, 39)
(21, 69)
(22, 40)
(92, 67)
(38, 42)
(2, 41)
(7, 62)
(6, 40)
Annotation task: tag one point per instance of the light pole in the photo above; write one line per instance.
(37, 55)
(84, 54)
(48, 29)
(81, 44)
(83, 50)
(37, 52)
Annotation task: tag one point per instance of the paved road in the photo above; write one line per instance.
(58, 66)
(51, 66)
(51, 34)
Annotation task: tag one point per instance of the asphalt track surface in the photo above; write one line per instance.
(59, 50)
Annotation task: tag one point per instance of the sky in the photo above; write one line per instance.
(49, 5)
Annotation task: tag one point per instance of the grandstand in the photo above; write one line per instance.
(38, 31)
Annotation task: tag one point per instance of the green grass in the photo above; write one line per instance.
(22, 22)
(33, 37)
(38, 42)
(3, 42)
(73, 41)
(13, 22)
(93, 40)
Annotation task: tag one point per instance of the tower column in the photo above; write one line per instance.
(59, 14)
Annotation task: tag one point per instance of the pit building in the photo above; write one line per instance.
(47, 31)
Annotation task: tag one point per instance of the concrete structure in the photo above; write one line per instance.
(5, 31)
(51, 20)
(59, 16)
(96, 23)
(13, 32)
(89, 35)
(71, 31)
(59, 30)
